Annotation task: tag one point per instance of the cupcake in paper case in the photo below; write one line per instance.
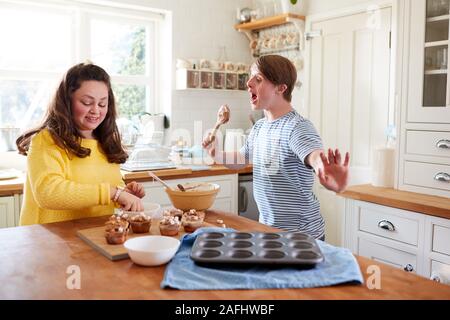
(169, 225)
(140, 223)
(192, 220)
(116, 230)
(174, 212)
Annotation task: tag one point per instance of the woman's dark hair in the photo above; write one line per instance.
(278, 70)
(60, 123)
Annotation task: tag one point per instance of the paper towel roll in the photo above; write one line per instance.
(383, 167)
(442, 276)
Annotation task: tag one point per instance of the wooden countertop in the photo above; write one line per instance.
(11, 187)
(15, 186)
(34, 261)
(418, 202)
(183, 172)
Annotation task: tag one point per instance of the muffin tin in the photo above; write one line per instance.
(290, 248)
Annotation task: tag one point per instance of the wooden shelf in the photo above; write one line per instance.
(436, 44)
(250, 29)
(437, 71)
(438, 18)
(268, 22)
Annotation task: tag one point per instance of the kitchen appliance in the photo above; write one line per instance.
(234, 140)
(152, 128)
(383, 167)
(246, 202)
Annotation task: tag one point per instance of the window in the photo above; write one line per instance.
(41, 41)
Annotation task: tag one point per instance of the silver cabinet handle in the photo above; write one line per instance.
(443, 177)
(409, 268)
(386, 225)
(443, 144)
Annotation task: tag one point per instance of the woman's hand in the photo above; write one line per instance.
(129, 202)
(334, 174)
(136, 189)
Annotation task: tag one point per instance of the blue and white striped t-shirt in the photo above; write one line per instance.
(282, 183)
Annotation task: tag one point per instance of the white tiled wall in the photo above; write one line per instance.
(320, 6)
(199, 29)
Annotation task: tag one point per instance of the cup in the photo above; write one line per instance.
(266, 43)
(273, 43)
(217, 65)
(241, 67)
(205, 64)
(152, 209)
(183, 64)
(442, 58)
(230, 66)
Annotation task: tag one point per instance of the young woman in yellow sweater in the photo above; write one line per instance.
(73, 158)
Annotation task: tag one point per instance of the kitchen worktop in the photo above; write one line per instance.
(35, 260)
(411, 201)
(11, 187)
(15, 186)
(184, 172)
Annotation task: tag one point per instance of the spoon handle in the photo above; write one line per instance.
(154, 176)
(214, 132)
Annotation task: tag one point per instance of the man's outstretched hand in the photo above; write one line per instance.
(335, 174)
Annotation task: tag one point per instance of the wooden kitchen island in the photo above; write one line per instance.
(34, 261)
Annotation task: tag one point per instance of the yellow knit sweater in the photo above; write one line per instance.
(58, 188)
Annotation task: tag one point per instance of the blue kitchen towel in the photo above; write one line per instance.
(182, 273)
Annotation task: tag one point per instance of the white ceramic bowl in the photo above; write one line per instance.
(152, 250)
(151, 209)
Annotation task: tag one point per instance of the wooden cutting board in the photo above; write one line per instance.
(163, 173)
(95, 237)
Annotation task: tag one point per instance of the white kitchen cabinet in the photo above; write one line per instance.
(424, 153)
(10, 210)
(18, 207)
(385, 234)
(437, 245)
(387, 254)
(7, 212)
(226, 199)
(428, 88)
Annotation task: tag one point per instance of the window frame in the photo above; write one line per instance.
(82, 12)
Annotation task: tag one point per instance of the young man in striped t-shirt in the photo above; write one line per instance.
(286, 151)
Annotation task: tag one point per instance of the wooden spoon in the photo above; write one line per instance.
(184, 189)
(223, 116)
(155, 177)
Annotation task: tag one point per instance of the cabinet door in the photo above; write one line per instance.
(7, 213)
(437, 267)
(154, 192)
(19, 201)
(437, 239)
(428, 88)
(223, 205)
